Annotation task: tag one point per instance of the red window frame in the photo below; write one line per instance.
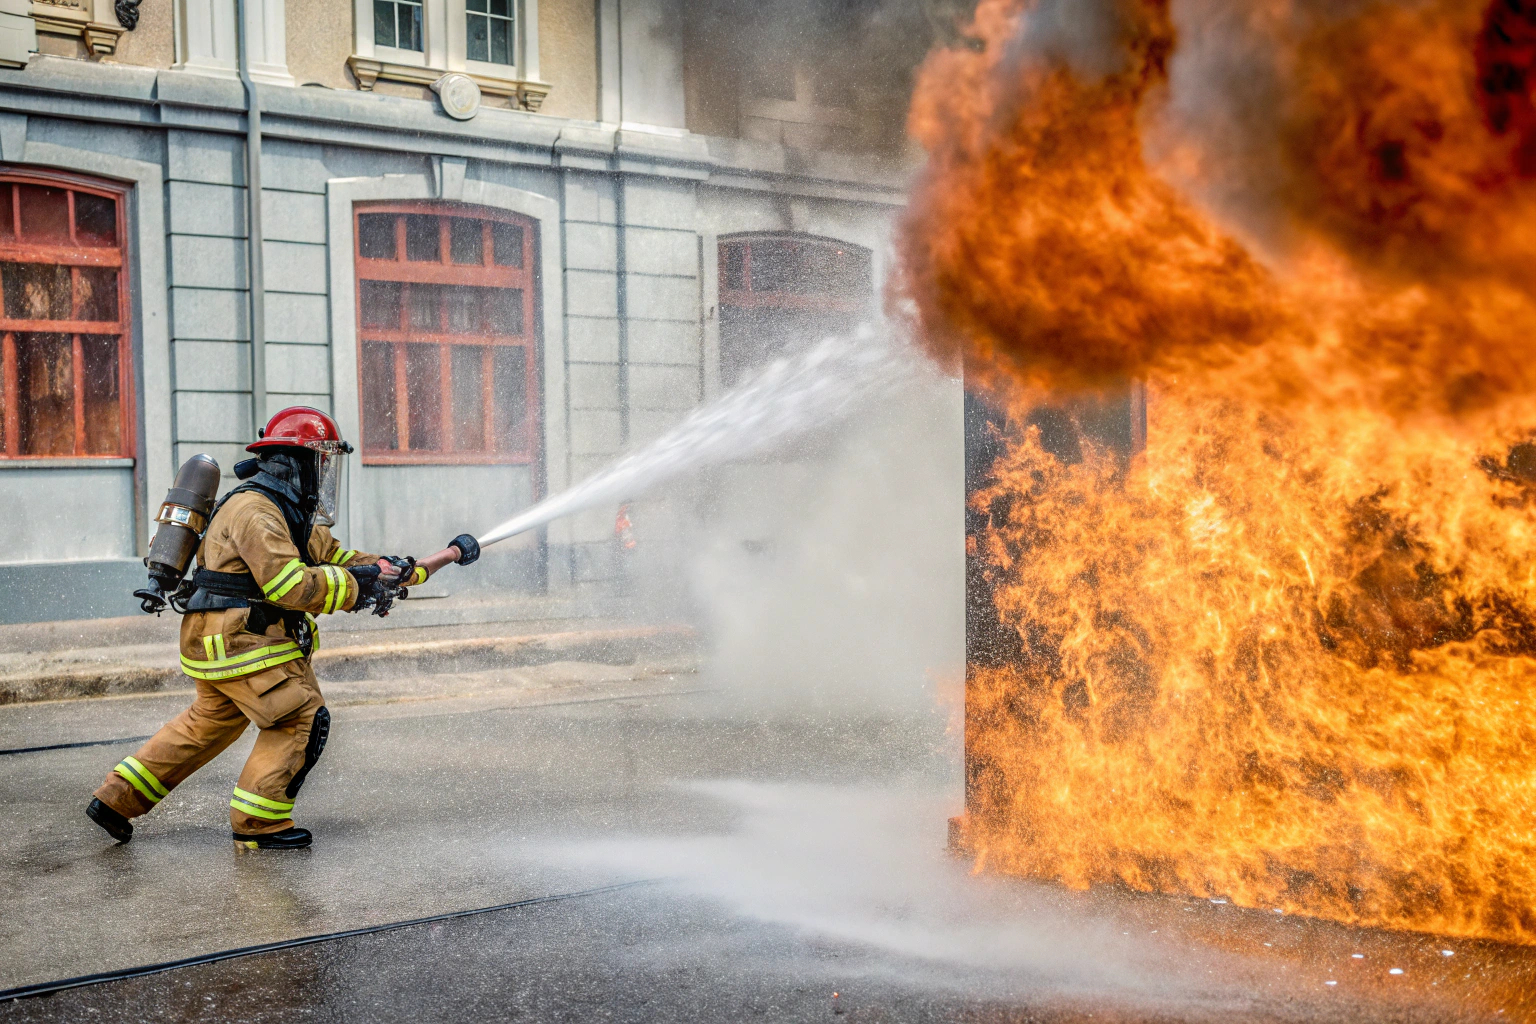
(16, 248)
(444, 272)
(785, 284)
(742, 294)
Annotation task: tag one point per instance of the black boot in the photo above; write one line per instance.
(288, 839)
(117, 826)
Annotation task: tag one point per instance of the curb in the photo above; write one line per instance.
(364, 661)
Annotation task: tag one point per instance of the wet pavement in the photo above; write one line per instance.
(786, 856)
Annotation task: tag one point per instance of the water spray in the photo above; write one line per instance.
(788, 397)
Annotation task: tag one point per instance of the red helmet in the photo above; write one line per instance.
(299, 426)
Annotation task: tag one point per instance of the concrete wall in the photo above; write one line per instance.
(63, 510)
(628, 220)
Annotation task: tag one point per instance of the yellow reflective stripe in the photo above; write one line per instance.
(342, 556)
(419, 576)
(341, 589)
(261, 801)
(243, 664)
(286, 579)
(314, 633)
(257, 812)
(329, 604)
(141, 779)
(147, 775)
(218, 646)
(208, 647)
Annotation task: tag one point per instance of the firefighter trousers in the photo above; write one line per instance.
(292, 720)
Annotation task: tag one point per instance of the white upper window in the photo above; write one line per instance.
(487, 38)
(490, 31)
(397, 25)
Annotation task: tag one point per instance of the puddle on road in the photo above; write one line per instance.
(868, 865)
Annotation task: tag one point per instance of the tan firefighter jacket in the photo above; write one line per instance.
(249, 535)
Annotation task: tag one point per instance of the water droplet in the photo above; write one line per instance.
(1396, 970)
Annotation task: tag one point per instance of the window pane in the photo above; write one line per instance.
(509, 383)
(773, 265)
(44, 213)
(468, 398)
(376, 236)
(422, 239)
(733, 266)
(808, 268)
(378, 380)
(45, 380)
(477, 43)
(410, 26)
(35, 291)
(381, 304)
(466, 241)
(423, 300)
(462, 306)
(424, 396)
(477, 5)
(507, 240)
(7, 211)
(103, 420)
(501, 7)
(95, 219)
(501, 42)
(505, 311)
(97, 288)
(383, 23)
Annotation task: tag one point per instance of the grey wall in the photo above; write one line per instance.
(62, 513)
(629, 326)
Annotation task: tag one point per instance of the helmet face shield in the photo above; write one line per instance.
(329, 486)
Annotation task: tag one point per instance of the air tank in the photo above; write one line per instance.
(183, 519)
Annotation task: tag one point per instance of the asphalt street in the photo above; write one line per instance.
(792, 867)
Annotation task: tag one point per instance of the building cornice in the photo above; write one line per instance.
(115, 93)
(526, 94)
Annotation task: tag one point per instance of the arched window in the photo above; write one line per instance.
(65, 343)
(779, 291)
(446, 312)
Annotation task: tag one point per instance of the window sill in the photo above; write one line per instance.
(65, 462)
(524, 95)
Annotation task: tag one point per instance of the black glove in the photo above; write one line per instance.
(469, 548)
(368, 588)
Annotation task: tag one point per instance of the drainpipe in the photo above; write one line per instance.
(253, 232)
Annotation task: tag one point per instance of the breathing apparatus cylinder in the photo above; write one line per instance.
(183, 520)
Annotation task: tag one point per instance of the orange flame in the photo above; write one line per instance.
(1286, 655)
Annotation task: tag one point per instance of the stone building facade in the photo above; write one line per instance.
(492, 307)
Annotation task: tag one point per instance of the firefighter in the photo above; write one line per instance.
(268, 564)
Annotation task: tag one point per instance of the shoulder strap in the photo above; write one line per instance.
(299, 528)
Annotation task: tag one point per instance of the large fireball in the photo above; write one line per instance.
(1286, 655)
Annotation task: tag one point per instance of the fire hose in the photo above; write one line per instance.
(382, 591)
